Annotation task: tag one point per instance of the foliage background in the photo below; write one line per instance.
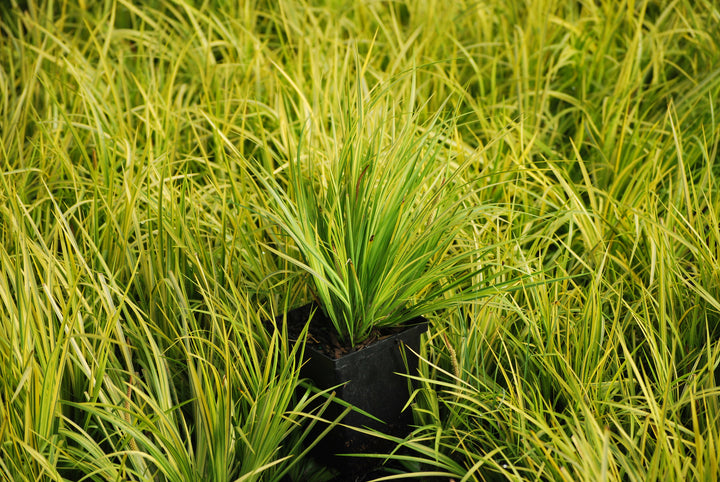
(133, 286)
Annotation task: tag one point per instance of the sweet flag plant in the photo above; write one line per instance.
(380, 225)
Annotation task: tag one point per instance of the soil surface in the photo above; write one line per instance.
(322, 335)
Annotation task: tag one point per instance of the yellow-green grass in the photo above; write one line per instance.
(134, 283)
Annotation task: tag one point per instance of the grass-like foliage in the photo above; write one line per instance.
(379, 224)
(174, 174)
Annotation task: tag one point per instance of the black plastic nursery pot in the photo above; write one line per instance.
(370, 378)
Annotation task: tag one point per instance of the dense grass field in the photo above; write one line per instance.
(136, 273)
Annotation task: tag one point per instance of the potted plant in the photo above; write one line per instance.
(378, 227)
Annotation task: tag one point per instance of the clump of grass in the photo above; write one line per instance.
(380, 233)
